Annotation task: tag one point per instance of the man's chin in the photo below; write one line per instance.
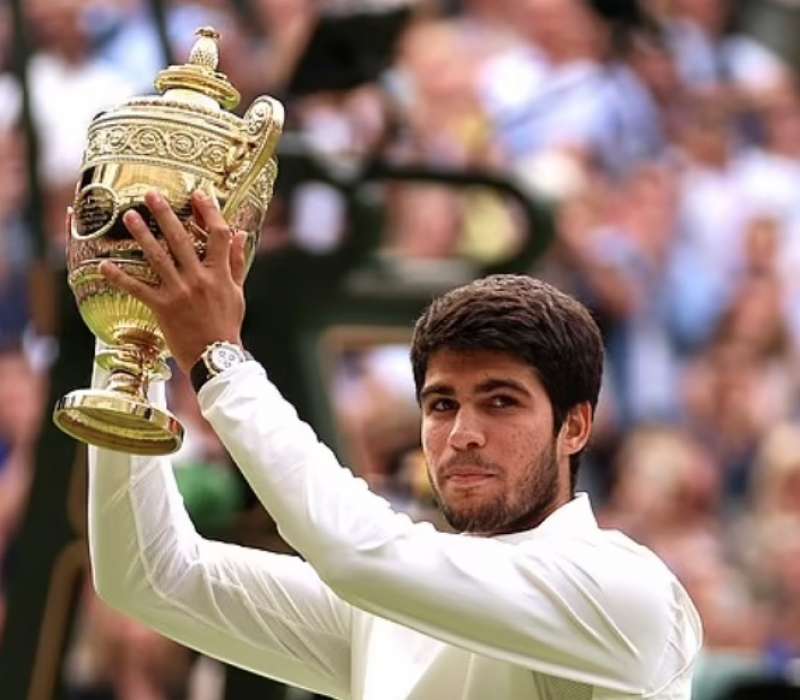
(478, 507)
(476, 518)
(490, 517)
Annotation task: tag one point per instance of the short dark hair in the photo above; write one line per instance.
(529, 319)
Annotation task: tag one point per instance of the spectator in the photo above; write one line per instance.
(560, 88)
(22, 394)
(69, 86)
(770, 537)
(623, 259)
(710, 56)
(666, 491)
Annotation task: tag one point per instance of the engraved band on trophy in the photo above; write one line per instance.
(182, 140)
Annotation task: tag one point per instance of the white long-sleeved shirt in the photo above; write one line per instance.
(382, 608)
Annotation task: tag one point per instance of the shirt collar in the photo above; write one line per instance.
(573, 517)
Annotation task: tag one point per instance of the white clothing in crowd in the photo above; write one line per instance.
(704, 61)
(599, 108)
(65, 98)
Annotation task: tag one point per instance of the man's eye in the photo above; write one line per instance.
(440, 405)
(502, 401)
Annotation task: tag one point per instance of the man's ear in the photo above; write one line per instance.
(576, 429)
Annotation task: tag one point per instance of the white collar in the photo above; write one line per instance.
(575, 516)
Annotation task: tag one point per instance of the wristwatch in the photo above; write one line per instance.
(216, 358)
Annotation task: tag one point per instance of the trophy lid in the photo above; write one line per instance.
(200, 75)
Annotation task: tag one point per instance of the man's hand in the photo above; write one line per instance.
(197, 302)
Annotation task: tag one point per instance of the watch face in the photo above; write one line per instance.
(223, 356)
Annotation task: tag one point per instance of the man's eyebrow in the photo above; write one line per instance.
(441, 389)
(505, 383)
(492, 384)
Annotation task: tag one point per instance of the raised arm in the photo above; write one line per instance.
(266, 612)
(608, 618)
(594, 613)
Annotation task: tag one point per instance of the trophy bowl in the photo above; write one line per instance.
(179, 141)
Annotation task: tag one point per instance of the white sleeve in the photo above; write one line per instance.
(596, 615)
(269, 613)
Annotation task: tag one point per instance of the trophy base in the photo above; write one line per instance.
(118, 422)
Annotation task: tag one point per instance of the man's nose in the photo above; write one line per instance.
(467, 432)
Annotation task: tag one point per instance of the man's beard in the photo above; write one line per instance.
(521, 506)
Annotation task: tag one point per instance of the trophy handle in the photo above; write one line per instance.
(264, 115)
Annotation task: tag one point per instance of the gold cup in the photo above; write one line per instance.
(182, 140)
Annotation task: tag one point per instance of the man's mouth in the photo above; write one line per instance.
(464, 476)
(468, 479)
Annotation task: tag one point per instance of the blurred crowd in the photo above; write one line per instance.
(664, 139)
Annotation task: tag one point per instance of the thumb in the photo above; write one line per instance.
(237, 257)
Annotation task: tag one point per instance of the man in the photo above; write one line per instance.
(533, 600)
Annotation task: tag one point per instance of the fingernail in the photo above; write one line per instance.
(129, 216)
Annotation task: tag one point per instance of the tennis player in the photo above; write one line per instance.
(530, 600)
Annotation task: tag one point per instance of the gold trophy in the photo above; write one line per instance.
(177, 142)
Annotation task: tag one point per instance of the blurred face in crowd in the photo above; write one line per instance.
(436, 87)
(563, 29)
(780, 113)
(655, 67)
(788, 496)
(705, 132)
(776, 475)
(487, 432)
(646, 209)
(711, 15)
(281, 11)
(12, 155)
(666, 479)
(762, 244)
(425, 221)
(58, 26)
(489, 9)
(755, 318)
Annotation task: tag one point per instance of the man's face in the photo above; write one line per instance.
(487, 433)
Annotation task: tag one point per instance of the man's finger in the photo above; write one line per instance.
(143, 292)
(219, 231)
(179, 241)
(238, 257)
(219, 246)
(154, 253)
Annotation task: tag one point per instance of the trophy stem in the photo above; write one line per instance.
(119, 416)
(133, 365)
(124, 382)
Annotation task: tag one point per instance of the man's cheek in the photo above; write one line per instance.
(433, 437)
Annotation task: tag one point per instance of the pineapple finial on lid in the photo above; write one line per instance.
(205, 51)
(199, 75)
